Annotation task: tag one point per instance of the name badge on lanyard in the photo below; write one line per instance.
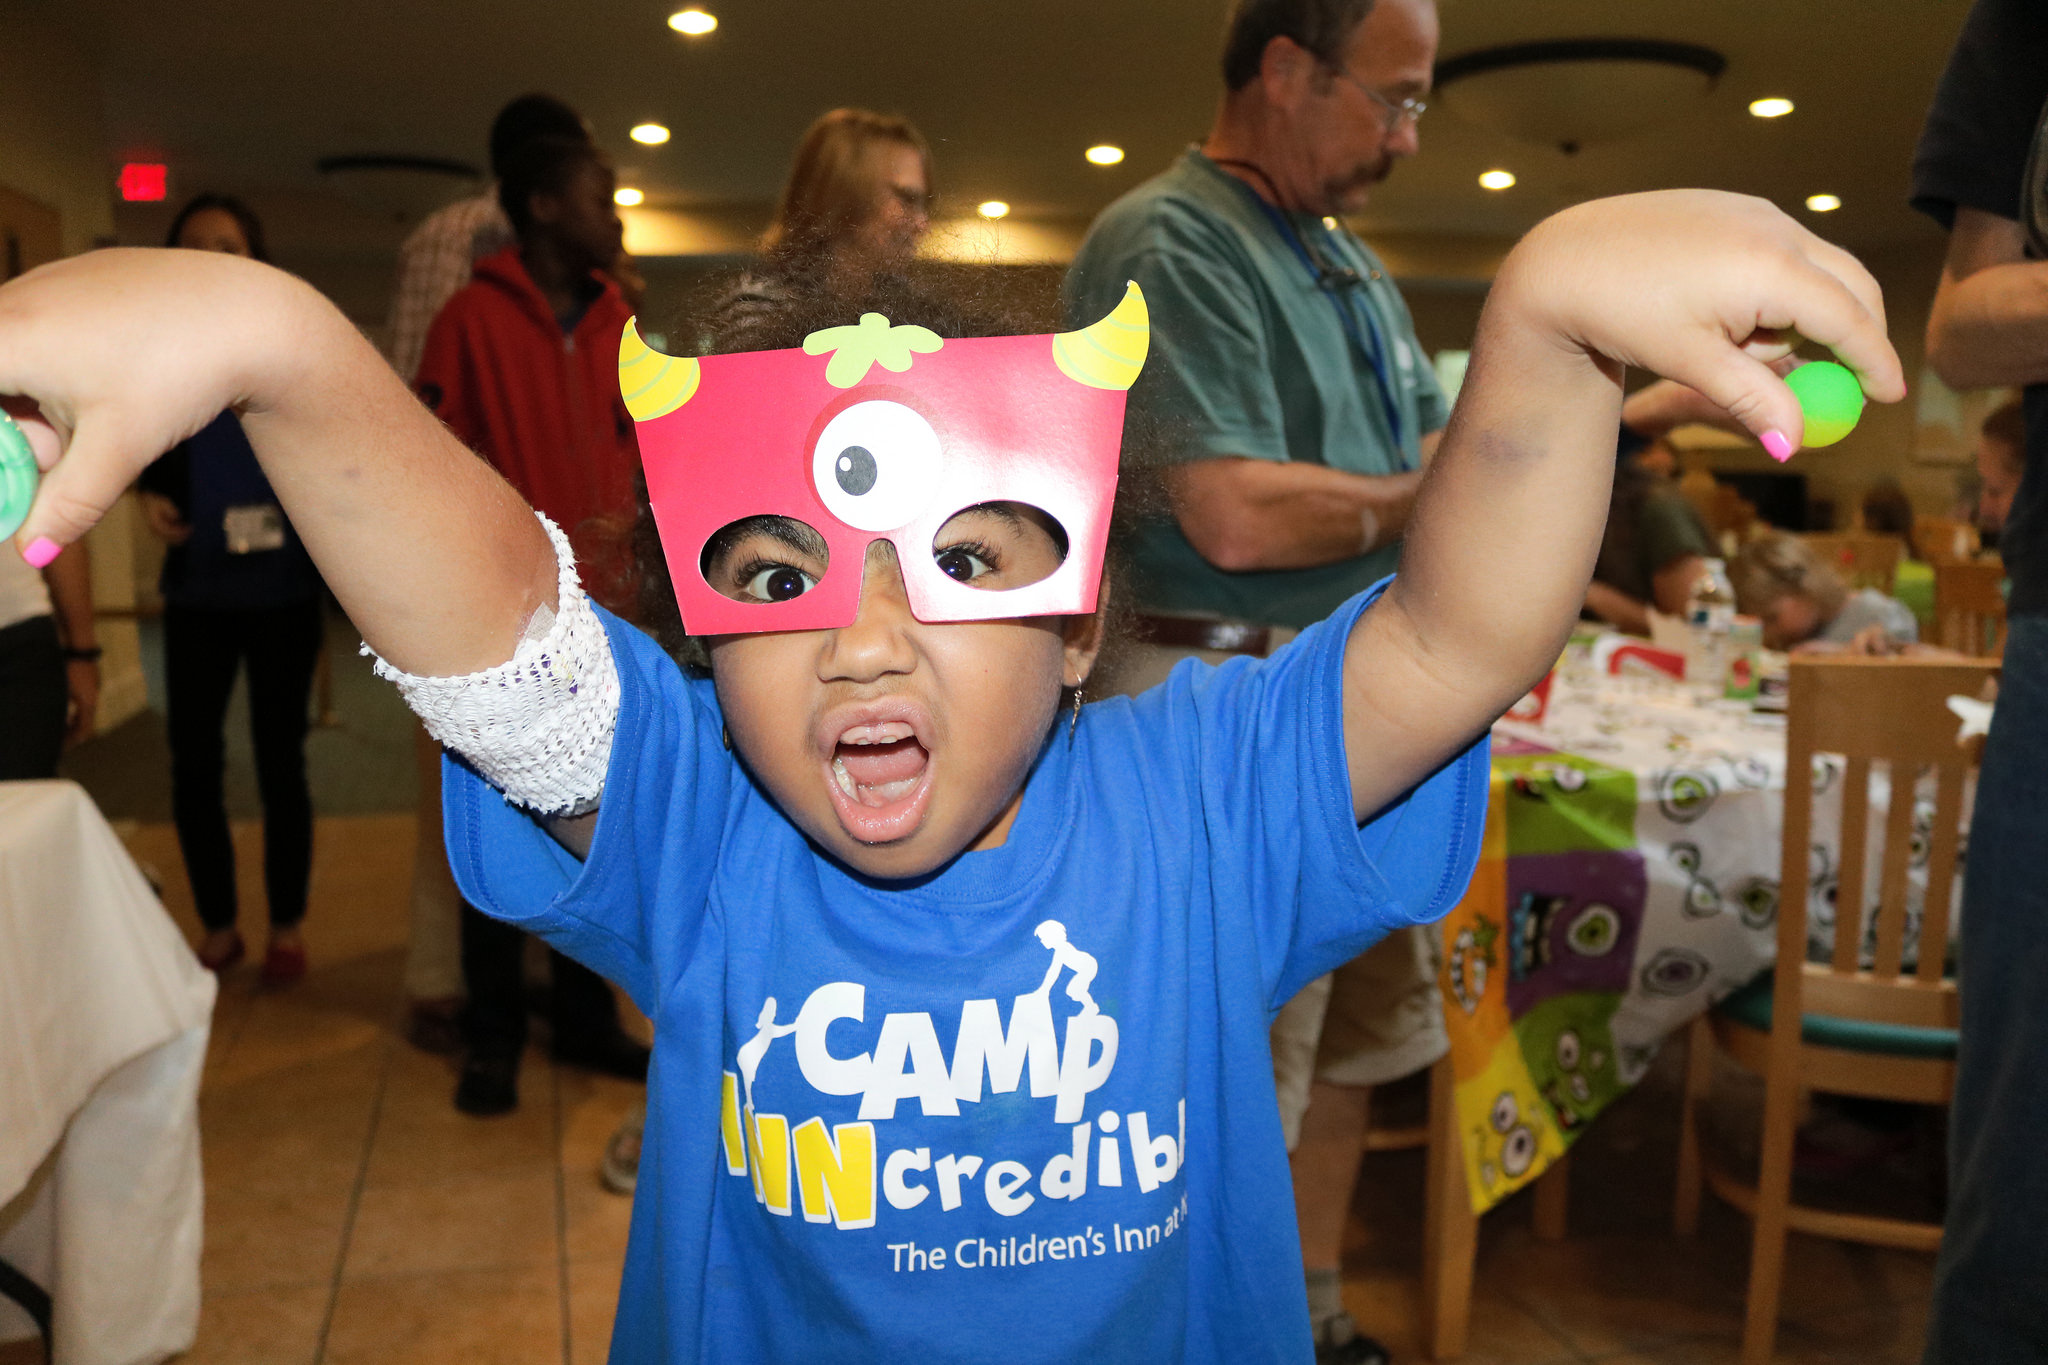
(254, 528)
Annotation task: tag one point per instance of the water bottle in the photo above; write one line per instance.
(1709, 617)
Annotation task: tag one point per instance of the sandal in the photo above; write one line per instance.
(284, 964)
(227, 957)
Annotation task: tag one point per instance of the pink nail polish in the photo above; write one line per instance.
(1776, 443)
(41, 551)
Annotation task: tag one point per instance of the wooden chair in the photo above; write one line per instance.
(1944, 540)
(1879, 1031)
(1863, 560)
(1969, 608)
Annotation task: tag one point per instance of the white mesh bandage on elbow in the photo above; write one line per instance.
(539, 726)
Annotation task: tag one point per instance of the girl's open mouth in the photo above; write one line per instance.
(877, 776)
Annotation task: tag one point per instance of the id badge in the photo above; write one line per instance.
(254, 528)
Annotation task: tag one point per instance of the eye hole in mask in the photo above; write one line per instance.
(765, 560)
(995, 546)
(876, 463)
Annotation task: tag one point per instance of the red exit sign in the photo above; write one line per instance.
(142, 182)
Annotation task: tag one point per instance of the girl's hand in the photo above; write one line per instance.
(113, 357)
(1705, 288)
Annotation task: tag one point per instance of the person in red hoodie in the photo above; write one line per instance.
(522, 364)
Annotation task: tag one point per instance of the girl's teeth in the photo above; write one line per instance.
(843, 778)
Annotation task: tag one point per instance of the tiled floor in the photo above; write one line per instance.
(354, 1216)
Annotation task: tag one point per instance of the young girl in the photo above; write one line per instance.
(961, 1007)
(1804, 605)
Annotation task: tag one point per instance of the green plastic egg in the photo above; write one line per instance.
(17, 477)
(1831, 399)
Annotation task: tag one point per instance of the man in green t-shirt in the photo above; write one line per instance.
(1301, 409)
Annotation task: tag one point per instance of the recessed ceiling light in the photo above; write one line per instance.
(1775, 106)
(994, 208)
(627, 197)
(1496, 180)
(1105, 154)
(649, 134)
(694, 22)
(1823, 203)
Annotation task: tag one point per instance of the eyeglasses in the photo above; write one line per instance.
(1393, 111)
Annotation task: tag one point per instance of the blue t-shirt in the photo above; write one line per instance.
(1021, 1108)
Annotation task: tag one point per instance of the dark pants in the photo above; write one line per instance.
(203, 650)
(1990, 1291)
(580, 1005)
(34, 698)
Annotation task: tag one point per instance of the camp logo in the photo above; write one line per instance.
(1057, 1044)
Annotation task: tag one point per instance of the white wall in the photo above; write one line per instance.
(53, 149)
(52, 141)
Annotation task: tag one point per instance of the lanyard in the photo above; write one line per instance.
(1331, 282)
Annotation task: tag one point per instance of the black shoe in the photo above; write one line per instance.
(489, 1084)
(611, 1053)
(1339, 1342)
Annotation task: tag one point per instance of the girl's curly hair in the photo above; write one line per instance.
(777, 313)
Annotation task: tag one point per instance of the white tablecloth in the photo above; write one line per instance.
(104, 1015)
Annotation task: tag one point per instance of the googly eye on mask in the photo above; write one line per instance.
(989, 463)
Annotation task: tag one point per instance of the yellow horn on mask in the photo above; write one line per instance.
(653, 384)
(1108, 354)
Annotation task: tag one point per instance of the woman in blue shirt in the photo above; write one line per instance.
(238, 589)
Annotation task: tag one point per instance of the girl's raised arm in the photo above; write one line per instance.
(124, 353)
(1705, 288)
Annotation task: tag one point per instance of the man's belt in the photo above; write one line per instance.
(1203, 632)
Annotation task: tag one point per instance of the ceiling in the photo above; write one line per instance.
(248, 97)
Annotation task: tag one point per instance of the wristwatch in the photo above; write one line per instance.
(83, 656)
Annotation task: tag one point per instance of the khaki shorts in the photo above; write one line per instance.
(1375, 1019)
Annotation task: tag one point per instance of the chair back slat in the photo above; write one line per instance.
(1849, 878)
(1863, 560)
(1795, 861)
(1891, 712)
(1942, 846)
(1897, 862)
(1969, 608)
(1912, 1002)
(1866, 713)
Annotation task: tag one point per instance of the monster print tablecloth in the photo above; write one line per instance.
(1629, 879)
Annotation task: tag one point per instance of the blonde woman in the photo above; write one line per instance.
(857, 203)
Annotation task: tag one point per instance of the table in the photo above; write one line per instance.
(1628, 880)
(104, 1015)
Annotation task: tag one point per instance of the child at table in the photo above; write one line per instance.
(831, 871)
(1805, 607)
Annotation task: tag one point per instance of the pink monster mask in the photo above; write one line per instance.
(877, 432)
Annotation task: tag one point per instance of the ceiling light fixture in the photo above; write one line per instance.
(1105, 154)
(993, 208)
(649, 134)
(1823, 203)
(1568, 93)
(694, 23)
(625, 196)
(1775, 106)
(1496, 180)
